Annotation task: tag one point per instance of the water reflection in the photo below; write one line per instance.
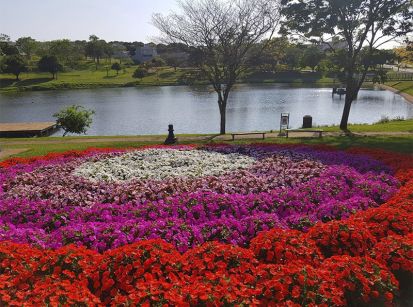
(127, 111)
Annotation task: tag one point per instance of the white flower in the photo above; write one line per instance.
(158, 164)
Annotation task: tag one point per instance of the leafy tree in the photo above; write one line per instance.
(269, 53)
(292, 57)
(157, 62)
(14, 64)
(109, 51)
(172, 60)
(377, 57)
(74, 119)
(95, 48)
(380, 76)
(27, 45)
(8, 49)
(50, 64)
(223, 32)
(62, 49)
(359, 23)
(403, 54)
(140, 73)
(117, 67)
(312, 56)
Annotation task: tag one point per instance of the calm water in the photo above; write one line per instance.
(129, 111)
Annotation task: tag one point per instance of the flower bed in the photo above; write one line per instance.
(142, 226)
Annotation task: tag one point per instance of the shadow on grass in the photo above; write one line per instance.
(35, 81)
(168, 74)
(391, 143)
(110, 77)
(7, 82)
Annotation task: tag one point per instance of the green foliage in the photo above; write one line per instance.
(357, 23)
(27, 45)
(117, 67)
(7, 49)
(95, 48)
(50, 64)
(140, 73)
(157, 62)
(293, 57)
(380, 76)
(74, 119)
(14, 64)
(311, 57)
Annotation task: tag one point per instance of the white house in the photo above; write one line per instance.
(144, 54)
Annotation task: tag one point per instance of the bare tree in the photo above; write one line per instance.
(222, 33)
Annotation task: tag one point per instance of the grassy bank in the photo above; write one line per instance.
(91, 78)
(402, 86)
(390, 126)
(400, 144)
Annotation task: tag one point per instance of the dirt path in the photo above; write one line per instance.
(10, 152)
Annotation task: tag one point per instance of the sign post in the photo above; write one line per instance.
(285, 121)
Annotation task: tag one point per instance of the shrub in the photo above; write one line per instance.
(140, 73)
(383, 221)
(279, 246)
(365, 282)
(117, 67)
(396, 252)
(74, 119)
(342, 238)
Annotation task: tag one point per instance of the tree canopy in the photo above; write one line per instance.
(74, 119)
(49, 64)
(357, 23)
(14, 64)
(27, 45)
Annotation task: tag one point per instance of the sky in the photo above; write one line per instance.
(122, 20)
(111, 20)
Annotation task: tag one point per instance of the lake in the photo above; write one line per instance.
(149, 110)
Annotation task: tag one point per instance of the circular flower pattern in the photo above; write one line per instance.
(186, 196)
(104, 216)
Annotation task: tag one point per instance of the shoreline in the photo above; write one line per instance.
(64, 87)
(408, 97)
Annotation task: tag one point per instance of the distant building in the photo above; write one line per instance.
(144, 54)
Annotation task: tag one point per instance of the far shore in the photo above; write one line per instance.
(408, 97)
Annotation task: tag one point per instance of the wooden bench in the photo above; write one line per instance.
(248, 133)
(319, 131)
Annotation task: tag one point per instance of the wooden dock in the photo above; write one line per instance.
(27, 129)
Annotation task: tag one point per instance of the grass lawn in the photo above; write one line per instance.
(392, 126)
(88, 79)
(402, 86)
(92, 78)
(400, 144)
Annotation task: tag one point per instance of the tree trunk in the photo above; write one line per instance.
(223, 121)
(222, 112)
(346, 111)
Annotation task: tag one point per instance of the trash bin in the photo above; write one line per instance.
(307, 122)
